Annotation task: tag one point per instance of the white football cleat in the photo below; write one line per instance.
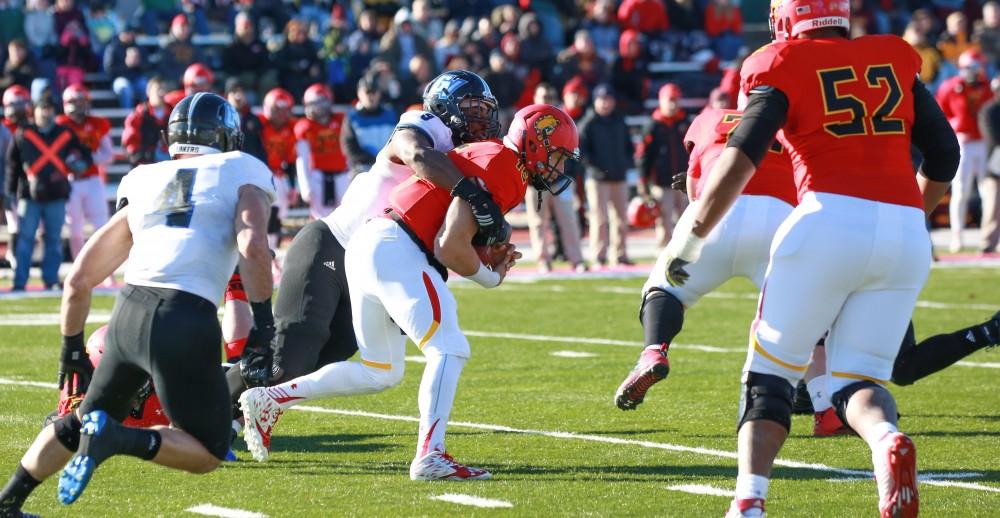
(895, 462)
(746, 508)
(261, 413)
(438, 465)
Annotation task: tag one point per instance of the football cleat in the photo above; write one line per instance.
(747, 508)
(652, 367)
(261, 412)
(97, 443)
(802, 405)
(827, 424)
(438, 465)
(895, 463)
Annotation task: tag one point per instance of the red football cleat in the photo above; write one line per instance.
(653, 366)
(896, 476)
(828, 424)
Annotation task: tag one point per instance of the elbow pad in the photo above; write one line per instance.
(764, 115)
(933, 136)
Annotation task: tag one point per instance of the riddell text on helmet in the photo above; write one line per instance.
(825, 22)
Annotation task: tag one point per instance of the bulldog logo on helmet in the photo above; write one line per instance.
(544, 127)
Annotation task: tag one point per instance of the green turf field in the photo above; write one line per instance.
(545, 424)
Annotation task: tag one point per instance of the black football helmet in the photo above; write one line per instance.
(464, 102)
(203, 123)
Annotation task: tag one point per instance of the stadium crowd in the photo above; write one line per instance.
(592, 57)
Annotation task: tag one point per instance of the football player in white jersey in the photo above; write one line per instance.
(313, 309)
(184, 224)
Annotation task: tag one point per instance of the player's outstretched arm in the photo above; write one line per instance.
(415, 150)
(252, 212)
(456, 252)
(103, 253)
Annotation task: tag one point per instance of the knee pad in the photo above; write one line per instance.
(766, 397)
(842, 396)
(661, 315)
(67, 430)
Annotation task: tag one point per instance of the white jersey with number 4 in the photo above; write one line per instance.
(368, 194)
(181, 215)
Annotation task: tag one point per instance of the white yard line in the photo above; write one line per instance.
(474, 501)
(595, 341)
(224, 512)
(573, 354)
(984, 365)
(701, 489)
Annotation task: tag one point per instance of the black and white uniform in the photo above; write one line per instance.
(164, 324)
(313, 307)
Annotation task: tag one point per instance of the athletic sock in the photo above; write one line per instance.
(818, 394)
(879, 431)
(143, 443)
(435, 398)
(335, 379)
(20, 485)
(751, 486)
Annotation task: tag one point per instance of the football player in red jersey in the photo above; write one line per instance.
(17, 112)
(853, 255)
(197, 78)
(278, 134)
(321, 164)
(397, 281)
(87, 199)
(740, 247)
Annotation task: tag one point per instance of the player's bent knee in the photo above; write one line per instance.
(842, 397)
(385, 378)
(67, 431)
(661, 315)
(766, 397)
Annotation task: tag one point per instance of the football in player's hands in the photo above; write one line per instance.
(497, 255)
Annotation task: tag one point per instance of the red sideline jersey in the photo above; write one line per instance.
(708, 134)
(849, 115)
(324, 143)
(11, 125)
(89, 133)
(961, 102)
(279, 144)
(423, 205)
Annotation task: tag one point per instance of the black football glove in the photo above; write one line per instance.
(74, 364)
(257, 360)
(676, 274)
(488, 215)
(678, 182)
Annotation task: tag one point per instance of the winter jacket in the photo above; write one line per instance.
(605, 146)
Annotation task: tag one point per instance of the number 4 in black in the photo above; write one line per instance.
(175, 200)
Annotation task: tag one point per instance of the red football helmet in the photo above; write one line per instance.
(16, 94)
(643, 213)
(789, 18)
(146, 410)
(76, 100)
(318, 101)
(278, 100)
(17, 104)
(971, 58)
(545, 139)
(198, 78)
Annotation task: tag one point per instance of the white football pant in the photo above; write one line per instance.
(87, 203)
(971, 165)
(318, 209)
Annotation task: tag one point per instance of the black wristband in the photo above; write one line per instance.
(74, 342)
(465, 189)
(262, 315)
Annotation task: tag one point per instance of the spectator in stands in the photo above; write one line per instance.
(724, 24)
(661, 155)
(40, 29)
(487, 37)
(298, 60)
(575, 95)
(543, 208)
(402, 43)
(603, 27)
(334, 53)
(930, 58)
(151, 13)
(581, 60)
(989, 125)
(505, 17)
(65, 13)
(247, 59)
(645, 16)
(504, 85)
(11, 21)
(412, 86)
(955, 39)
(21, 68)
(253, 142)
(925, 23)
(425, 22)
(961, 97)
(367, 126)
(51, 153)
(125, 63)
(74, 56)
(142, 137)
(275, 12)
(179, 52)
(473, 55)
(528, 77)
(628, 74)
(363, 43)
(448, 45)
(988, 33)
(684, 15)
(389, 84)
(104, 26)
(606, 150)
(536, 51)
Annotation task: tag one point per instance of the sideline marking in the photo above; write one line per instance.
(701, 489)
(225, 512)
(985, 365)
(474, 501)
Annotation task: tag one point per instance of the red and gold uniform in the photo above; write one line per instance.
(279, 144)
(90, 133)
(850, 108)
(324, 143)
(321, 164)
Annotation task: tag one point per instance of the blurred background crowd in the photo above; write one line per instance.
(631, 72)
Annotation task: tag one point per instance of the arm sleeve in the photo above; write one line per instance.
(765, 114)
(933, 136)
(430, 126)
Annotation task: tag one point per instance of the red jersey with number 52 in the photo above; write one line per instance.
(706, 138)
(324, 143)
(423, 205)
(850, 109)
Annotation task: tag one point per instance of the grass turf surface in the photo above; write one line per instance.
(333, 464)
